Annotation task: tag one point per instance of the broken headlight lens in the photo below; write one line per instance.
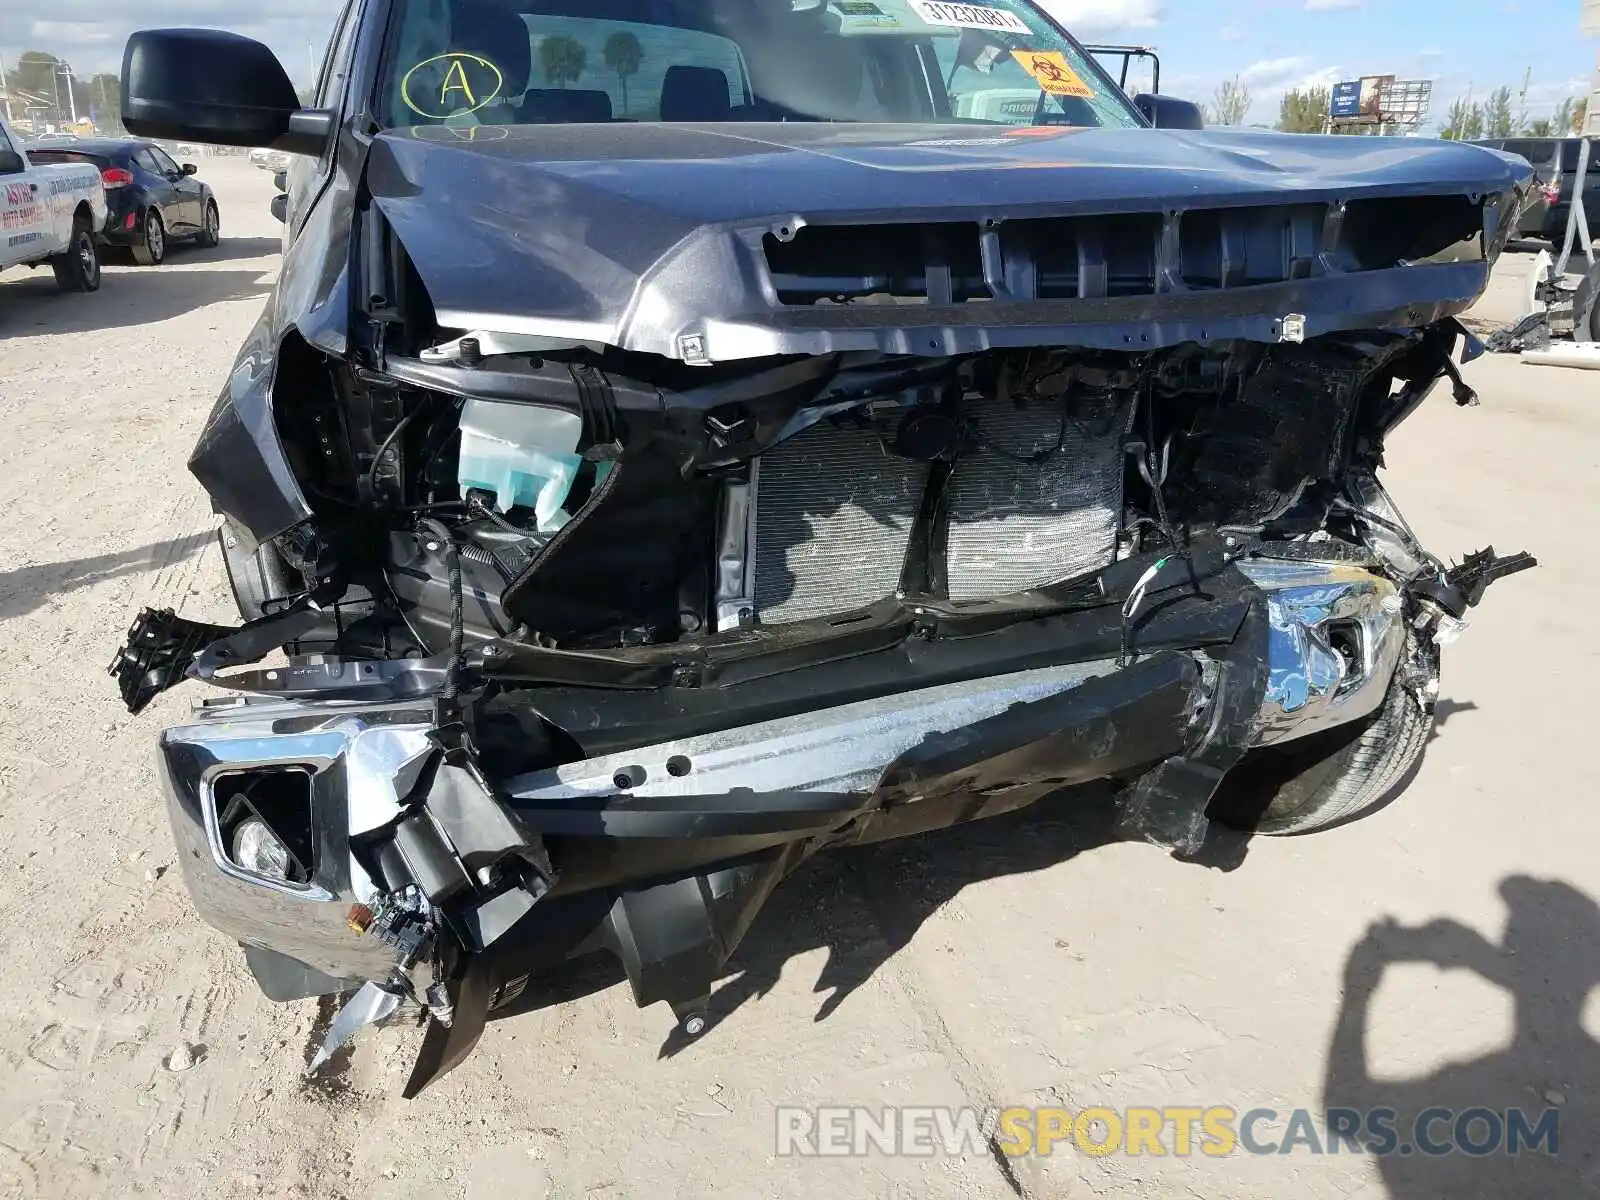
(257, 849)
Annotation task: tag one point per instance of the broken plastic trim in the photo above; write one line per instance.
(163, 649)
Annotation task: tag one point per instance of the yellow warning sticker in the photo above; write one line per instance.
(450, 84)
(1052, 72)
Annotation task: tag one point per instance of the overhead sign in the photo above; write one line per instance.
(1346, 99)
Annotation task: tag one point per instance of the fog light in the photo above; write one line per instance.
(256, 848)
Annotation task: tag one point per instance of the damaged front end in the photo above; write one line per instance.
(589, 641)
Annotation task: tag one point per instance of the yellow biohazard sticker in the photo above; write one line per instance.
(1052, 72)
(450, 84)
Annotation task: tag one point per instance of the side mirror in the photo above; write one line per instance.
(204, 85)
(1168, 112)
(11, 162)
(280, 207)
(280, 180)
(190, 169)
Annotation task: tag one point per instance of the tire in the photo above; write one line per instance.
(151, 250)
(77, 268)
(1330, 777)
(211, 231)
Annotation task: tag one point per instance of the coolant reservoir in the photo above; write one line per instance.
(523, 453)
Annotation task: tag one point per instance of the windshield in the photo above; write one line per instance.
(511, 62)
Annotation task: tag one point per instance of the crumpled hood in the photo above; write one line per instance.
(638, 235)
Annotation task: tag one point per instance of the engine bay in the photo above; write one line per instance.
(606, 501)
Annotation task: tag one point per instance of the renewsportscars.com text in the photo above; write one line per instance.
(1178, 1130)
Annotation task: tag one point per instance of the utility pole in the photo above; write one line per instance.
(72, 100)
(5, 88)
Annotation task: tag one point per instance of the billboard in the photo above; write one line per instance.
(1345, 99)
(1371, 93)
(1381, 100)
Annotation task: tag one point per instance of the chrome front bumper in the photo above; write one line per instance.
(353, 758)
(1336, 635)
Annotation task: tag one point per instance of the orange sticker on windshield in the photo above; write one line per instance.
(1052, 72)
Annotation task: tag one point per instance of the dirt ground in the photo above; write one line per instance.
(1444, 951)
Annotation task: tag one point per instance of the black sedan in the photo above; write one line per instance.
(153, 201)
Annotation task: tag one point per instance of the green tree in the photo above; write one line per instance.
(1562, 121)
(623, 54)
(562, 59)
(1540, 127)
(35, 72)
(1456, 118)
(1304, 110)
(1497, 119)
(1580, 114)
(1229, 104)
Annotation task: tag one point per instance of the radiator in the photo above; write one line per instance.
(833, 519)
(834, 513)
(1016, 525)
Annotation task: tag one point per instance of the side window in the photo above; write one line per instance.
(147, 160)
(627, 71)
(164, 163)
(5, 144)
(336, 67)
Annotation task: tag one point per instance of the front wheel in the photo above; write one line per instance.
(1336, 775)
(211, 230)
(77, 268)
(151, 250)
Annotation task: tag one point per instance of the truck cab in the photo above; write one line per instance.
(50, 213)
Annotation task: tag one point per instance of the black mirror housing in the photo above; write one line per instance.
(205, 85)
(280, 207)
(1168, 112)
(190, 169)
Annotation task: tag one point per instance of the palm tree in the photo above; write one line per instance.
(562, 59)
(623, 54)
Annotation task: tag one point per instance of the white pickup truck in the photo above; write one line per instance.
(50, 212)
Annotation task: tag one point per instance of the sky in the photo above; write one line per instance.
(1269, 45)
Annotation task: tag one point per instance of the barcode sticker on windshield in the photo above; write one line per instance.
(969, 16)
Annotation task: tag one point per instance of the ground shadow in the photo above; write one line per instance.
(228, 250)
(25, 589)
(1548, 960)
(1443, 710)
(32, 307)
(864, 904)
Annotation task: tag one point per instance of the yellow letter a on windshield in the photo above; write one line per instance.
(455, 80)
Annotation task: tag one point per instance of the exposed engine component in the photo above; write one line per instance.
(963, 480)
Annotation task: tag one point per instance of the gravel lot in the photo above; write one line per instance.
(1027, 961)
